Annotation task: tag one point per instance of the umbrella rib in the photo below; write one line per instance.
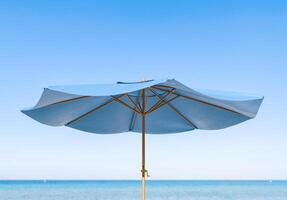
(131, 100)
(123, 103)
(203, 102)
(68, 100)
(164, 103)
(157, 104)
(91, 111)
(140, 108)
(175, 110)
(134, 115)
(165, 86)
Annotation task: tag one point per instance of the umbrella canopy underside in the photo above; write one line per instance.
(171, 107)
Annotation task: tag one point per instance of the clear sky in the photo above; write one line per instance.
(226, 45)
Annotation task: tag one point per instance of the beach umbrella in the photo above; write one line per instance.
(153, 107)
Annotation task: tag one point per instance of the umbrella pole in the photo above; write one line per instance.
(143, 157)
(143, 145)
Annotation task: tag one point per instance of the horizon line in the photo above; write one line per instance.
(140, 180)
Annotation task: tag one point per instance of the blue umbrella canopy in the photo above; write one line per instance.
(154, 106)
(170, 107)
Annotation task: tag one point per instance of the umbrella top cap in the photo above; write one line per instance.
(135, 82)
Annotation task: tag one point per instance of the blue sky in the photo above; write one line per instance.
(227, 45)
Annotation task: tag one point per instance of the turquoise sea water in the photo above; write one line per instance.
(130, 190)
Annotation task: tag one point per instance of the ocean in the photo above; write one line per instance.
(130, 190)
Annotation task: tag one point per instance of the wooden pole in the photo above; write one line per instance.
(143, 145)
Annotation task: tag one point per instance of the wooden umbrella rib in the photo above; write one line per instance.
(131, 126)
(176, 111)
(156, 105)
(68, 100)
(164, 103)
(182, 116)
(161, 89)
(125, 104)
(164, 86)
(134, 115)
(203, 102)
(91, 111)
(139, 105)
(146, 97)
(132, 101)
